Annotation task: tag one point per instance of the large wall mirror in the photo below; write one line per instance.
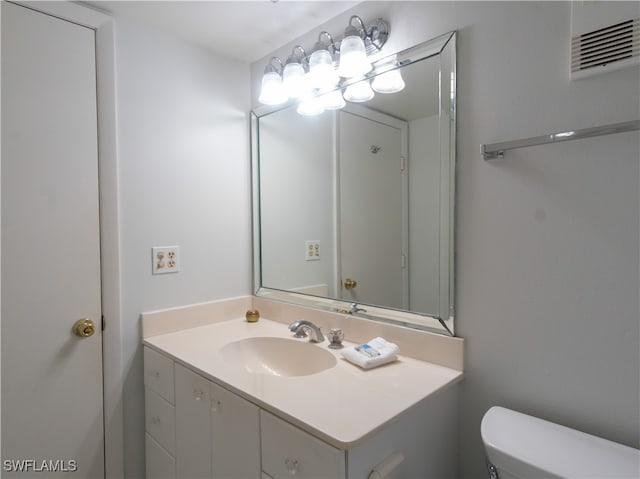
(354, 208)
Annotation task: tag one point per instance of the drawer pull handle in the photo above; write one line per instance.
(386, 467)
(216, 405)
(198, 394)
(155, 419)
(292, 466)
(155, 374)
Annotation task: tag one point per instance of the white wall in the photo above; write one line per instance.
(547, 241)
(184, 180)
(296, 198)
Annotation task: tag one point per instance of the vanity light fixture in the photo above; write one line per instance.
(294, 78)
(353, 55)
(319, 75)
(322, 74)
(272, 91)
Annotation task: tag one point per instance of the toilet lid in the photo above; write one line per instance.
(531, 447)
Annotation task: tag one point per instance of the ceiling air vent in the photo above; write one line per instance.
(607, 48)
(605, 36)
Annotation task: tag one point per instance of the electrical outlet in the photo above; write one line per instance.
(312, 250)
(165, 259)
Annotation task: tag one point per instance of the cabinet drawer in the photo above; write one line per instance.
(160, 420)
(158, 374)
(290, 452)
(160, 464)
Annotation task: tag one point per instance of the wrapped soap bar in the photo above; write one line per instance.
(373, 353)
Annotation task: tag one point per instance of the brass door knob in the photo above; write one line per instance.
(350, 283)
(84, 328)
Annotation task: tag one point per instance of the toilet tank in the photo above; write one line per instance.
(526, 447)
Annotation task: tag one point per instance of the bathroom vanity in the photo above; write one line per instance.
(231, 399)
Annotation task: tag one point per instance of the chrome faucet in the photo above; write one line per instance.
(353, 308)
(303, 328)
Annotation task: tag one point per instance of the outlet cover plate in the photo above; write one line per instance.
(312, 250)
(165, 259)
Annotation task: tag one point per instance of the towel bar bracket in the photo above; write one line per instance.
(491, 155)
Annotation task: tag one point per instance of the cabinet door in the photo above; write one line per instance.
(290, 452)
(193, 438)
(160, 464)
(235, 436)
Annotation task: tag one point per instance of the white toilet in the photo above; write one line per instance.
(525, 447)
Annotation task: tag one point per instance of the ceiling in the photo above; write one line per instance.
(244, 30)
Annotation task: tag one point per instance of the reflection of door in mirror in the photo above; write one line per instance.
(372, 209)
(424, 214)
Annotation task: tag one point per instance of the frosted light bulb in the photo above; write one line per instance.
(353, 58)
(272, 91)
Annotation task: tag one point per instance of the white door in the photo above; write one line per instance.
(52, 413)
(372, 212)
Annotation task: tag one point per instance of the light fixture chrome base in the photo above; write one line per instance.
(377, 33)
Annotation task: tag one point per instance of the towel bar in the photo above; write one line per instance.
(496, 151)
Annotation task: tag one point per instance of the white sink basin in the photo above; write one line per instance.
(278, 356)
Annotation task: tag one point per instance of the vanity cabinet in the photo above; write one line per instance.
(197, 429)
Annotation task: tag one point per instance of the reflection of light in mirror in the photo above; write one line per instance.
(359, 92)
(333, 100)
(566, 134)
(389, 82)
(389, 79)
(310, 106)
(453, 87)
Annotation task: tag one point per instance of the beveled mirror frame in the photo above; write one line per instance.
(443, 46)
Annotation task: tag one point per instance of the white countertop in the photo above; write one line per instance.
(343, 405)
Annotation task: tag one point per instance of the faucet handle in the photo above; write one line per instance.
(336, 335)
